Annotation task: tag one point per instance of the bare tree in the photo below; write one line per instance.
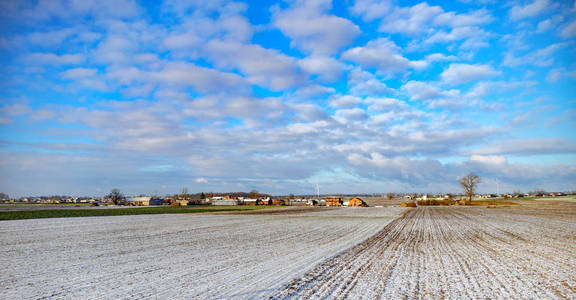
(469, 184)
(254, 194)
(116, 197)
(390, 196)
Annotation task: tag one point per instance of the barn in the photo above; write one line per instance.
(357, 202)
(334, 201)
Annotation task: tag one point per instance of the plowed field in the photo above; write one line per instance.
(448, 252)
(174, 256)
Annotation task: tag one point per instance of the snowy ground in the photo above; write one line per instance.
(174, 256)
(454, 253)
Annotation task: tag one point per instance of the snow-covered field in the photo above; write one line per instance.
(454, 253)
(174, 256)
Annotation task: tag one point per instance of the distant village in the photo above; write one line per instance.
(254, 198)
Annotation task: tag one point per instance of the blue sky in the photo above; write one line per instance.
(359, 96)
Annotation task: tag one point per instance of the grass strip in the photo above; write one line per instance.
(71, 213)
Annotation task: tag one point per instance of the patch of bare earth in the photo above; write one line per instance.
(453, 252)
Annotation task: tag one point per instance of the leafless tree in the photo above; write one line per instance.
(390, 196)
(469, 184)
(254, 194)
(116, 197)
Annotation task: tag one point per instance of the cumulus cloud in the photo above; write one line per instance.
(463, 73)
(478, 17)
(489, 159)
(387, 104)
(541, 57)
(327, 69)
(344, 101)
(184, 75)
(314, 31)
(78, 73)
(383, 55)
(54, 59)
(419, 90)
(535, 8)
(569, 30)
(350, 115)
(265, 67)
(362, 83)
(434, 57)
(538, 146)
(201, 180)
(473, 34)
(410, 20)
(370, 9)
(205, 90)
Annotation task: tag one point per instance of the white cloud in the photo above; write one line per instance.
(456, 34)
(453, 19)
(72, 11)
(327, 69)
(530, 146)
(387, 104)
(313, 31)
(49, 39)
(383, 55)
(410, 20)
(419, 90)
(542, 57)
(201, 180)
(54, 59)
(350, 115)
(544, 26)
(530, 10)
(266, 67)
(569, 31)
(462, 73)
(344, 101)
(314, 90)
(201, 8)
(489, 159)
(370, 9)
(78, 73)
(554, 75)
(183, 75)
(362, 83)
(440, 57)
(182, 42)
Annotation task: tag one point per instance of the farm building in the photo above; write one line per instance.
(224, 202)
(264, 201)
(249, 201)
(278, 202)
(156, 201)
(334, 201)
(176, 202)
(138, 201)
(312, 202)
(356, 202)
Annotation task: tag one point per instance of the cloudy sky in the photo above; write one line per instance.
(359, 96)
